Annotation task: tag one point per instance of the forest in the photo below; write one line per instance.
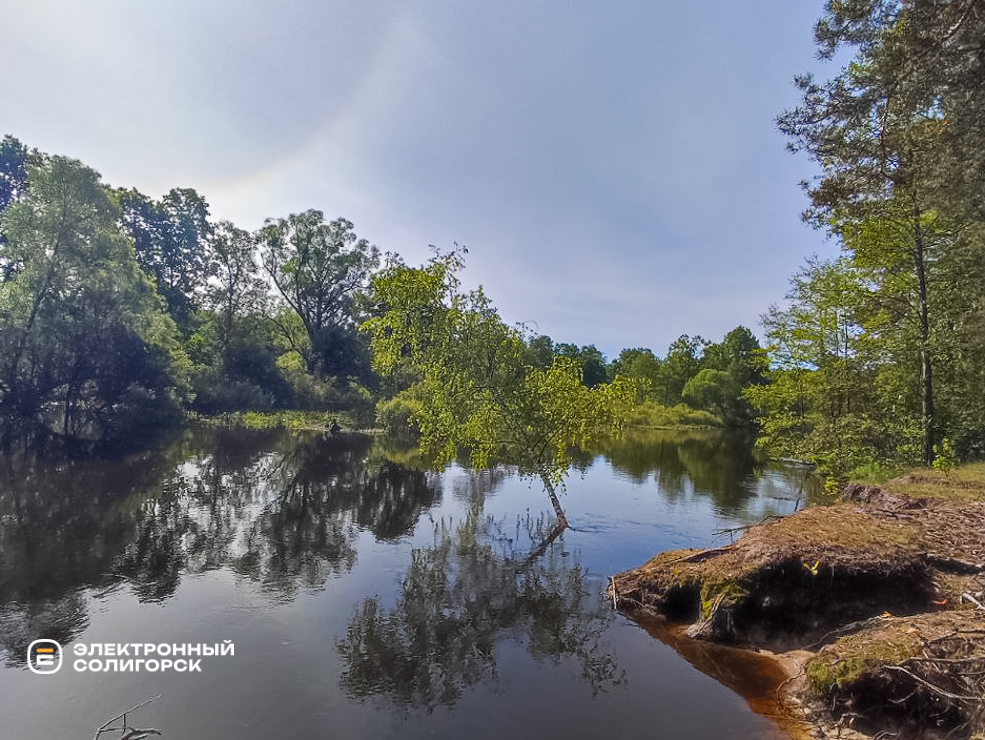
(122, 315)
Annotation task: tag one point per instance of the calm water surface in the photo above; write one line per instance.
(366, 599)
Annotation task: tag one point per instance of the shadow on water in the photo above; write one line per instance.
(755, 677)
(280, 510)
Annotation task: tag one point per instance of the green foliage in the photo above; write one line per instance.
(255, 355)
(858, 657)
(653, 415)
(707, 377)
(898, 136)
(321, 421)
(318, 268)
(238, 296)
(310, 392)
(13, 171)
(216, 394)
(85, 347)
(832, 417)
(740, 355)
(171, 237)
(945, 460)
(846, 389)
(819, 321)
(682, 363)
(873, 472)
(716, 391)
(540, 351)
(395, 416)
(593, 366)
(642, 367)
(476, 389)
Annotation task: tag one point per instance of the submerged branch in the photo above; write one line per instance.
(134, 734)
(542, 547)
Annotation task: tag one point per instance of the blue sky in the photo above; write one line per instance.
(613, 169)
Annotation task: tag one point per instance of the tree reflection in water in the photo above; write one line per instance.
(325, 493)
(281, 510)
(718, 464)
(58, 619)
(472, 589)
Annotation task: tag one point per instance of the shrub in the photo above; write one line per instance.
(652, 414)
(395, 417)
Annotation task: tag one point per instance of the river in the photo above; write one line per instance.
(362, 597)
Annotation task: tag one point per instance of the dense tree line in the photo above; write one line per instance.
(695, 372)
(879, 355)
(84, 345)
(119, 312)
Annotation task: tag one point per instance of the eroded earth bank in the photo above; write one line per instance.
(874, 606)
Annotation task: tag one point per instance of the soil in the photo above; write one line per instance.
(874, 609)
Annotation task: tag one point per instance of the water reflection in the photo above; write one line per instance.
(280, 510)
(719, 465)
(476, 634)
(60, 619)
(460, 598)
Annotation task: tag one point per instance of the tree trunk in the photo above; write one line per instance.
(562, 520)
(926, 369)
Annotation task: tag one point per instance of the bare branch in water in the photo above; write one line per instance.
(126, 731)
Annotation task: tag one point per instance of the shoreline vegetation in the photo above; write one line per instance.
(873, 607)
(650, 417)
(122, 315)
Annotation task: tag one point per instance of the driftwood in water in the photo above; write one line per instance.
(126, 731)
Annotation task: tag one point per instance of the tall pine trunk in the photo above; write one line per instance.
(926, 368)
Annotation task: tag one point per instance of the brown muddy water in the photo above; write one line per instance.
(363, 598)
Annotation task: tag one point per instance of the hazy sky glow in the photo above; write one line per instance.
(614, 170)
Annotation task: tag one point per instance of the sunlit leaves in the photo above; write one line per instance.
(238, 291)
(477, 390)
(898, 136)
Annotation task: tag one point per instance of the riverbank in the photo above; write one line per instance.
(314, 421)
(875, 606)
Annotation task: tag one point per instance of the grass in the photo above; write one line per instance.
(727, 591)
(924, 669)
(815, 532)
(838, 541)
(962, 483)
(835, 569)
(855, 657)
(293, 420)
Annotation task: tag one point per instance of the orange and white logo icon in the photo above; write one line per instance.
(44, 656)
